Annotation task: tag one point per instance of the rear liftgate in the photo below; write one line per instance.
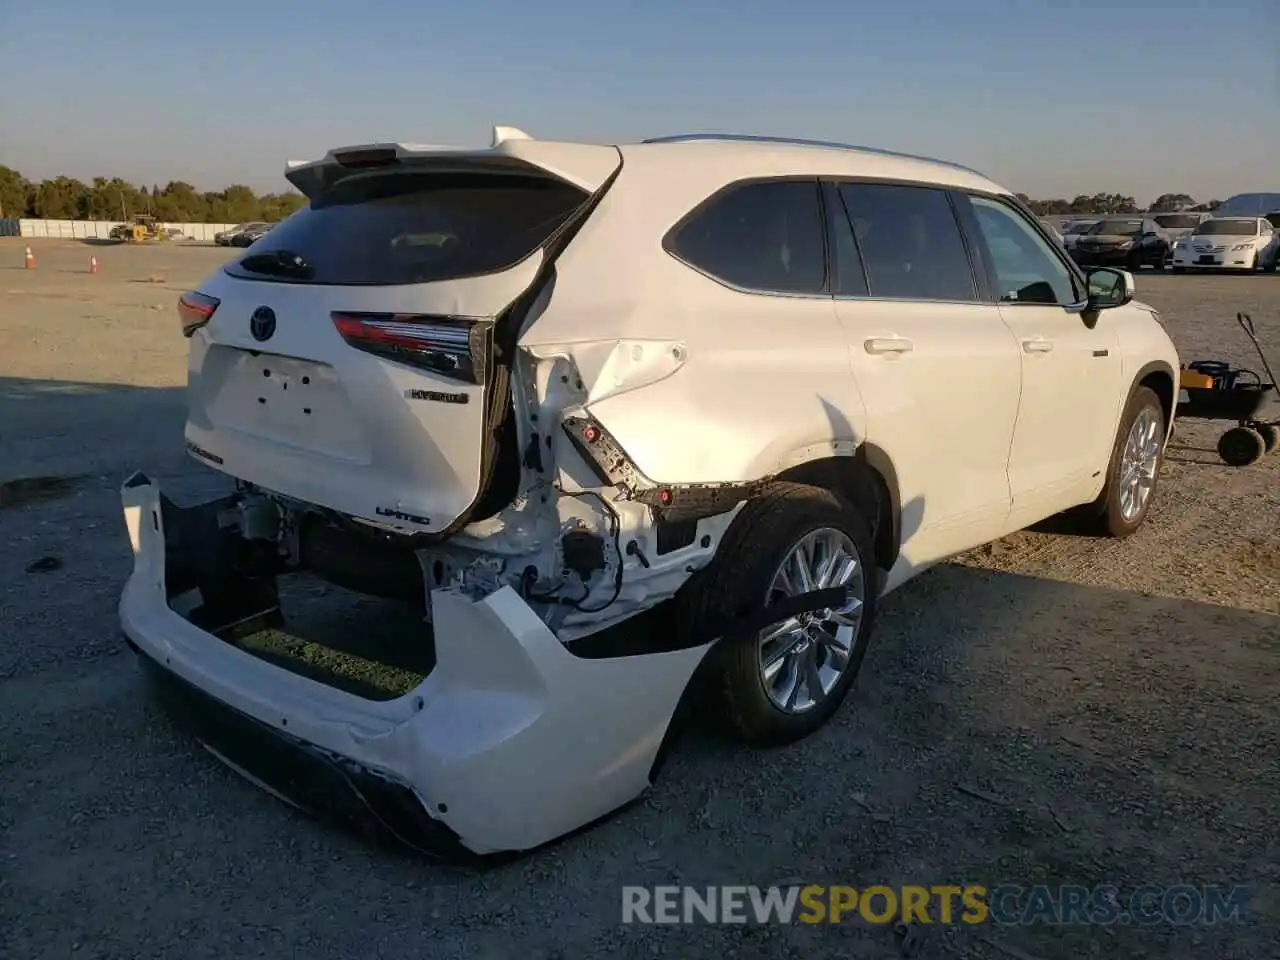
(397, 363)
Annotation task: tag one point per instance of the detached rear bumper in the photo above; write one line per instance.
(510, 741)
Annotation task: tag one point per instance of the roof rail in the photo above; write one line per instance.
(798, 142)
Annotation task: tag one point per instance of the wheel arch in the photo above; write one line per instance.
(864, 475)
(1160, 378)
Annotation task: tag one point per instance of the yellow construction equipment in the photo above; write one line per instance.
(144, 229)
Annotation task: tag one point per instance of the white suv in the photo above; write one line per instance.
(537, 390)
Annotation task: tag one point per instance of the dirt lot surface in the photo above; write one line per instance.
(1048, 709)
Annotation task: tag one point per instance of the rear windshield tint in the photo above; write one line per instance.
(412, 227)
(1178, 221)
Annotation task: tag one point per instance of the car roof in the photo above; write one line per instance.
(724, 156)
(797, 156)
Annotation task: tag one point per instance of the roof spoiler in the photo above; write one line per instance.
(511, 150)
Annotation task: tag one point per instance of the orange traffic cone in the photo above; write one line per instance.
(93, 264)
(30, 260)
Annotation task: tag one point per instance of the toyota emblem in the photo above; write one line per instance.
(263, 323)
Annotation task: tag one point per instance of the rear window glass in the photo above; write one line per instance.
(412, 227)
(1178, 221)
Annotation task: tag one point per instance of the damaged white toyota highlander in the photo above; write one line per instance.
(625, 430)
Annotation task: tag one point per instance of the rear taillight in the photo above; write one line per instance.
(195, 310)
(453, 347)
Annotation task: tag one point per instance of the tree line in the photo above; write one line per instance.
(110, 198)
(1110, 203)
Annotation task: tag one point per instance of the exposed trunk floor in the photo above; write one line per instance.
(376, 649)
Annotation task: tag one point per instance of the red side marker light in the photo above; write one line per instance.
(591, 433)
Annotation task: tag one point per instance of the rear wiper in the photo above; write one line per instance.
(282, 263)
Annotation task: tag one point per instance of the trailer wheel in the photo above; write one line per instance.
(1241, 446)
(785, 682)
(1270, 435)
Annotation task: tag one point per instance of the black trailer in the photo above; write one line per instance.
(1217, 390)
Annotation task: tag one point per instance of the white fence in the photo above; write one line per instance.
(101, 229)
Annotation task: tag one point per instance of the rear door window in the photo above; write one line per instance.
(765, 236)
(910, 242)
(412, 227)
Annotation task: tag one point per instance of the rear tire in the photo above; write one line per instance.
(1178, 269)
(1134, 470)
(764, 544)
(1270, 436)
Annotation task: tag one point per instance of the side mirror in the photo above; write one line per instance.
(1109, 288)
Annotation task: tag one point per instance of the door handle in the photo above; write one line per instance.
(888, 345)
(1037, 345)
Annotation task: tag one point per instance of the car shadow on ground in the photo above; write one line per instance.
(1017, 730)
(1005, 730)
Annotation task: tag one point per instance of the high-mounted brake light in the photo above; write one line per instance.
(373, 157)
(195, 310)
(453, 347)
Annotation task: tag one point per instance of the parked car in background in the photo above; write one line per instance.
(1229, 243)
(248, 237)
(1073, 230)
(227, 237)
(1248, 205)
(1129, 242)
(1175, 226)
(519, 406)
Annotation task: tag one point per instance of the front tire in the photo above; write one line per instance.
(1135, 466)
(784, 683)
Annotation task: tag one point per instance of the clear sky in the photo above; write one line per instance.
(1051, 98)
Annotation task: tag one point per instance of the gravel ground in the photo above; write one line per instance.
(1047, 709)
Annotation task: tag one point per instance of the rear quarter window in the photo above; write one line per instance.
(764, 236)
(414, 227)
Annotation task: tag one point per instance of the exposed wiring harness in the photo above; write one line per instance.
(615, 531)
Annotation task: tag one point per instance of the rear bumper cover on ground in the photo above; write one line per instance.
(510, 742)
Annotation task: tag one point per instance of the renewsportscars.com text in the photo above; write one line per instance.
(1006, 905)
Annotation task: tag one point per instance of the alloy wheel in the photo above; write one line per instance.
(802, 658)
